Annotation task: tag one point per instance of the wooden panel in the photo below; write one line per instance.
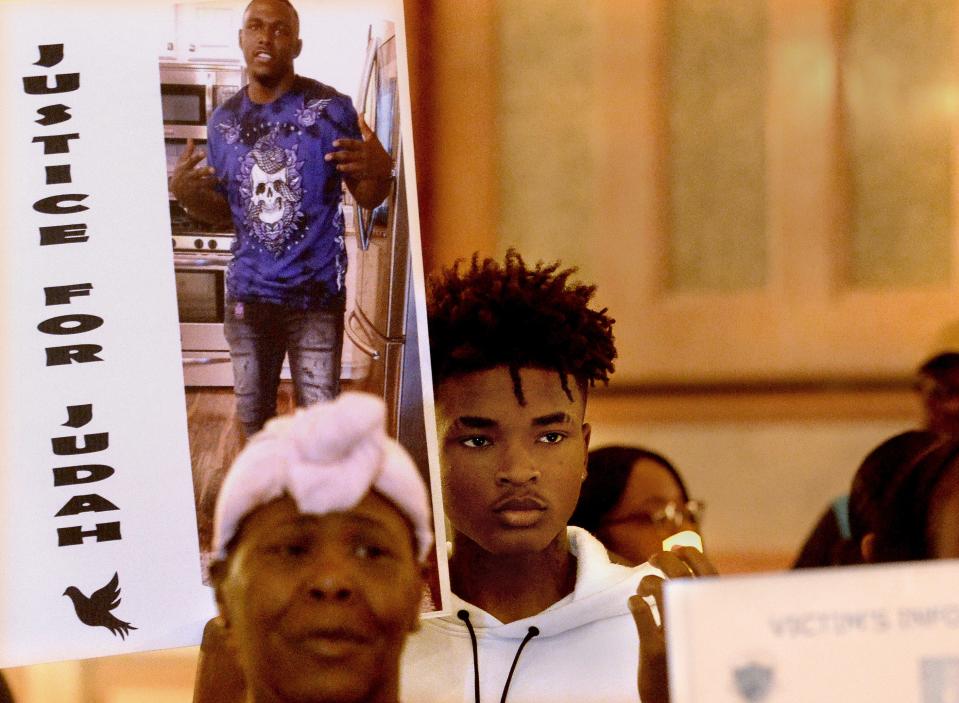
(545, 119)
(899, 104)
(805, 323)
(791, 298)
(753, 404)
(716, 104)
(464, 148)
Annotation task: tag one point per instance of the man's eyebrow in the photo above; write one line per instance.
(552, 419)
(475, 422)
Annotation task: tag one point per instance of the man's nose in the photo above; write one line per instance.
(517, 467)
(263, 36)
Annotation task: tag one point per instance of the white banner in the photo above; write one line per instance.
(870, 634)
(99, 543)
(99, 549)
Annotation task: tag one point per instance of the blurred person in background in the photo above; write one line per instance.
(919, 515)
(937, 386)
(633, 499)
(937, 383)
(836, 539)
(878, 478)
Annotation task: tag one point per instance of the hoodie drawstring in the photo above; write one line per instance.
(465, 617)
(530, 634)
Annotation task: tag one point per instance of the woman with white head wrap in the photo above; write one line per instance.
(322, 527)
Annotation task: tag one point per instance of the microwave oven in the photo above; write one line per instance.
(189, 93)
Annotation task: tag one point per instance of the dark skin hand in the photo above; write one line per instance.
(365, 166)
(681, 562)
(193, 187)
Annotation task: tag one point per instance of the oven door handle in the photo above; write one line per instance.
(185, 263)
(205, 360)
(352, 334)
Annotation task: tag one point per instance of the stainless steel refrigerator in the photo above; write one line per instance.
(382, 323)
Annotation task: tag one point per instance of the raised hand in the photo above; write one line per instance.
(188, 176)
(365, 165)
(193, 187)
(681, 562)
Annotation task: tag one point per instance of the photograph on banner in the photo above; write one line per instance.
(120, 414)
(298, 230)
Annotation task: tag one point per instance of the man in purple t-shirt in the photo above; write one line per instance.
(278, 153)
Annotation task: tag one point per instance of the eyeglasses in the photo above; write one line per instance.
(670, 514)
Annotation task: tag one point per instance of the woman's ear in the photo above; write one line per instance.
(217, 576)
(867, 547)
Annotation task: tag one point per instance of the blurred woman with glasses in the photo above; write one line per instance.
(633, 499)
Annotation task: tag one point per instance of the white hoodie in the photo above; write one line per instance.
(586, 649)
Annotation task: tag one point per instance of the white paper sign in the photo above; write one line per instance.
(98, 536)
(887, 633)
(96, 498)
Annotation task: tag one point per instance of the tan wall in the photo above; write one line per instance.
(152, 677)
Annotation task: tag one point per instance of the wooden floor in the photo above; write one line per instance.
(215, 439)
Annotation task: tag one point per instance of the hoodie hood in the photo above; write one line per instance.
(602, 590)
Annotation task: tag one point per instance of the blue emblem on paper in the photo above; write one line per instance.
(940, 679)
(753, 681)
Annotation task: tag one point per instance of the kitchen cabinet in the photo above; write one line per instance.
(202, 31)
(168, 42)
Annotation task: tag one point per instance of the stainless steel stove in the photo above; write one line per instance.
(200, 260)
(203, 243)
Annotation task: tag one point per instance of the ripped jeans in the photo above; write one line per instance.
(260, 335)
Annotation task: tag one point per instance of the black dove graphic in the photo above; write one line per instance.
(95, 610)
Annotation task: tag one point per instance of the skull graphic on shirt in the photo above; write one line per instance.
(270, 186)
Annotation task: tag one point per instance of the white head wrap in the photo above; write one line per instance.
(327, 457)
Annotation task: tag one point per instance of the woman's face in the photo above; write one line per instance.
(636, 526)
(943, 526)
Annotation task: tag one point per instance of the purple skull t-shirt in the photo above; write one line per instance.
(285, 198)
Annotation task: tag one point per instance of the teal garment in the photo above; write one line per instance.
(830, 543)
(840, 508)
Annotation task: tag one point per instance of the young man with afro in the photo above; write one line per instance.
(539, 611)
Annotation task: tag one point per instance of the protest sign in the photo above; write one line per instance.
(861, 633)
(98, 516)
